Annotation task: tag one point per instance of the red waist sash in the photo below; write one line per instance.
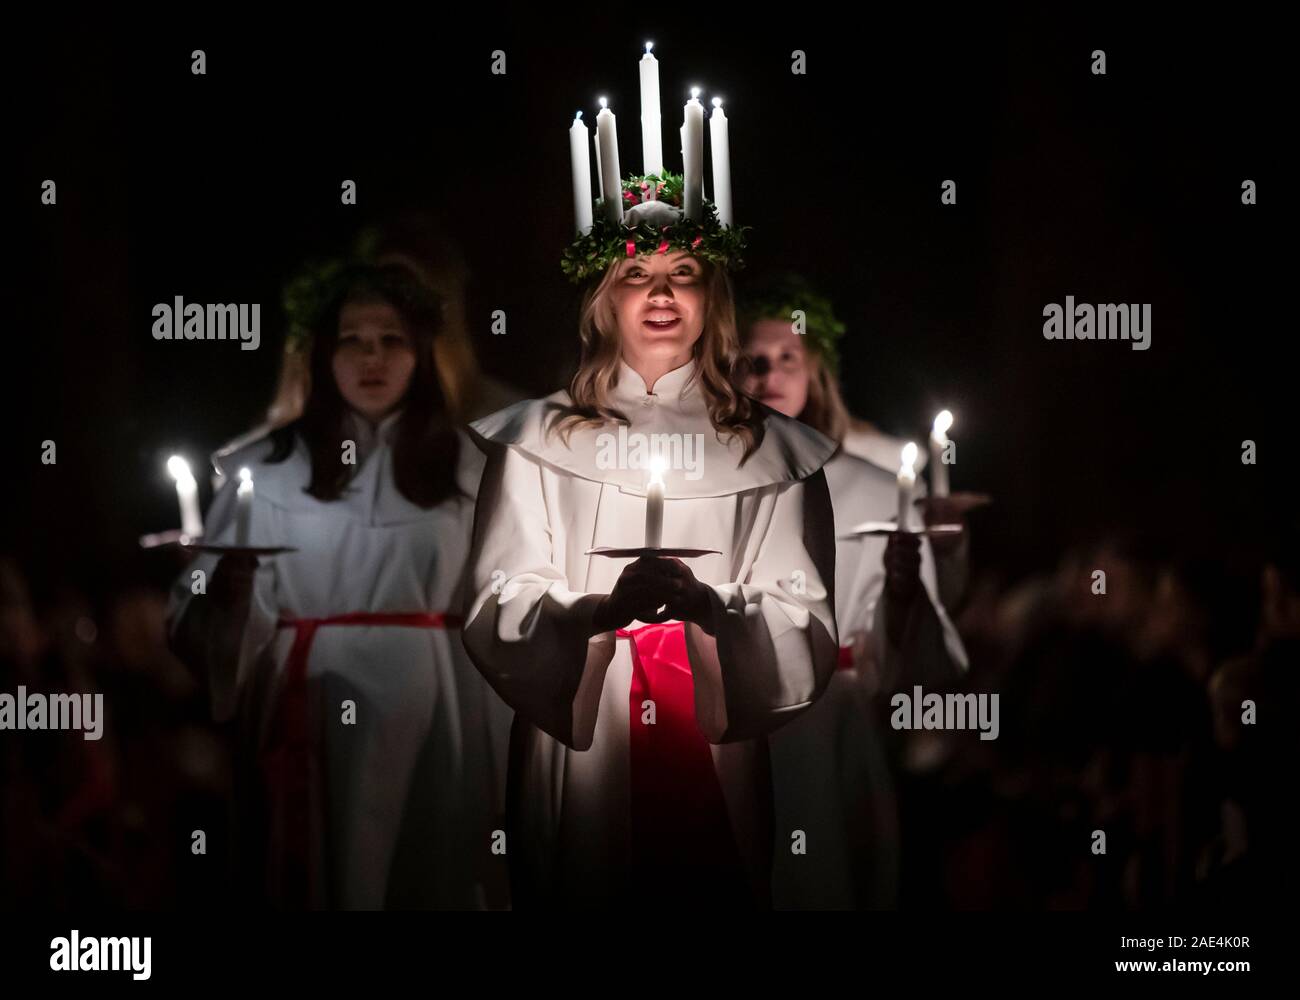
(683, 847)
(287, 758)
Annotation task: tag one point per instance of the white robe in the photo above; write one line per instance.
(830, 770)
(405, 800)
(541, 506)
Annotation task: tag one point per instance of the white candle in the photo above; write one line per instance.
(651, 132)
(187, 495)
(600, 177)
(721, 150)
(693, 157)
(906, 483)
(611, 186)
(938, 442)
(243, 507)
(581, 161)
(654, 504)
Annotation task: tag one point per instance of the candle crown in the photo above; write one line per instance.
(654, 222)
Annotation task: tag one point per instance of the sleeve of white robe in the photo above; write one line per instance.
(469, 470)
(220, 646)
(527, 632)
(774, 645)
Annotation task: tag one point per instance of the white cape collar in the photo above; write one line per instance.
(673, 420)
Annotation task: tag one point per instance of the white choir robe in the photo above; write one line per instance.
(830, 770)
(403, 801)
(541, 506)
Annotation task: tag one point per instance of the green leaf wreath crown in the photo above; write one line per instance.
(652, 225)
(318, 281)
(779, 296)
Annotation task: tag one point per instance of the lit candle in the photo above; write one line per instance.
(243, 506)
(611, 186)
(938, 442)
(693, 157)
(654, 504)
(187, 495)
(651, 133)
(721, 149)
(581, 161)
(906, 483)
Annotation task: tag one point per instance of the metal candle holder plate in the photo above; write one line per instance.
(636, 553)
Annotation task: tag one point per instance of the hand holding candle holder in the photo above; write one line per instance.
(652, 591)
(902, 562)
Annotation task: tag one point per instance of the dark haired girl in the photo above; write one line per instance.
(375, 746)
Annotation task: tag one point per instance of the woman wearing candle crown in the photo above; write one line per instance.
(830, 767)
(372, 753)
(644, 689)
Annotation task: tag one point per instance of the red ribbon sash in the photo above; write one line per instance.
(683, 847)
(287, 758)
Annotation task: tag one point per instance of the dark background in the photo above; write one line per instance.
(1122, 188)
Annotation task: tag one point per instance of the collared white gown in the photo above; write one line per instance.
(830, 770)
(407, 797)
(541, 506)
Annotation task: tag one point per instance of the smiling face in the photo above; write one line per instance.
(374, 358)
(780, 366)
(659, 305)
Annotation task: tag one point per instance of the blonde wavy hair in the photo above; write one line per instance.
(825, 410)
(716, 354)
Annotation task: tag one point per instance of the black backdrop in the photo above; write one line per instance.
(1121, 188)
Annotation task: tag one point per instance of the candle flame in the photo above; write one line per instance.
(695, 92)
(579, 114)
(603, 102)
(909, 454)
(245, 475)
(658, 466)
(942, 422)
(649, 46)
(717, 102)
(180, 469)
